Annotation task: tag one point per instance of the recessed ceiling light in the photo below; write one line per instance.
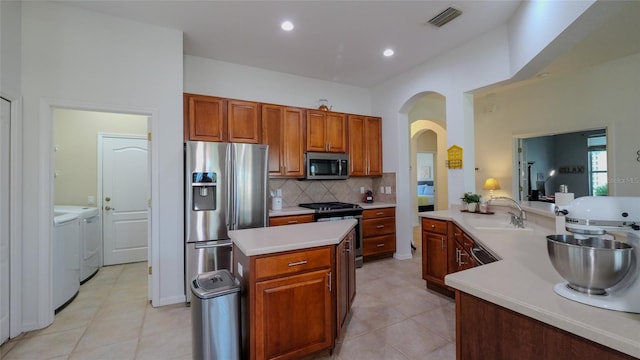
(388, 52)
(287, 25)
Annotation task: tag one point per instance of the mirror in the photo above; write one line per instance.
(577, 160)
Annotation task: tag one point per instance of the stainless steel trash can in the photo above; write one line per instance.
(215, 316)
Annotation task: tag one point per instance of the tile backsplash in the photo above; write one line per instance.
(296, 191)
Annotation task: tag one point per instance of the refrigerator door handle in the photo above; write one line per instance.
(229, 169)
(206, 244)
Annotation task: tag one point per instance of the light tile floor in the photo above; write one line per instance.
(394, 317)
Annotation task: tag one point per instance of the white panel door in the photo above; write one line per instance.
(125, 194)
(5, 116)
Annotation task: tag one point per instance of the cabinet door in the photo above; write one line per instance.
(316, 130)
(293, 142)
(434, 253)
(357, 146)
(290, 220)
(293, 315)
(336, 133)
(243, 122)
(272, 135)
(345, 279)
(205, 116)
(463, 260)
(373, 140)
(342, 285)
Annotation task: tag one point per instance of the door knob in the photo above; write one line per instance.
(107, 198)
(109, 208)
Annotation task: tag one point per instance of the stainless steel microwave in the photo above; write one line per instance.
(326, 166)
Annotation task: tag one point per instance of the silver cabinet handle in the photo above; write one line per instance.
(292, 222)
(329, 275)
(379, 226)
(442, 243)
(381, 213)
(298, 263)
(380, 245)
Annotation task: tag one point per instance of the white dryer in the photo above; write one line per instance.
(90, 238)
(66, 264)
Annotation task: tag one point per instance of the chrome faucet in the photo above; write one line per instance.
(516, 220)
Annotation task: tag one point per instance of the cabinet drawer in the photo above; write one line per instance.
(375, 227)
(378, 213)
(292, 262)
(379, 245)
(289, 220)
(437, 226)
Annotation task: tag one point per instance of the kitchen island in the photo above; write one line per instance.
(518, 289)
(297, 286)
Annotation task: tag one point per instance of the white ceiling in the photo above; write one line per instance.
(338, 41)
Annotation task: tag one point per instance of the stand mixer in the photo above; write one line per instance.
(599, 218)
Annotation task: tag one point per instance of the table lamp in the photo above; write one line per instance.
(491, 184)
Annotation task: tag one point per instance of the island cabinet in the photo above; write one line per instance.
(378, 233)
(460, 259)
(435, 243)
(283, 131)
(488, 331)
(294, 303)
(346, 279)
(365, 145)
(290, 219)
(326, 131)
(209, 118)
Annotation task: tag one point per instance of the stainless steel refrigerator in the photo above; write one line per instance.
(225, 189)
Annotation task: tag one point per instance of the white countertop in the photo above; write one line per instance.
(274, 239)
(289, 211)
(376, 205)
(523, 281)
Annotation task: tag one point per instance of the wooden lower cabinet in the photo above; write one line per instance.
(487, 331)
(378, 233)
(290, 220)
(293, 315)
(434, 251)
(294, 303)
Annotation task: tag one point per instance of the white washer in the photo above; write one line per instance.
(66, 259)
(90, 238)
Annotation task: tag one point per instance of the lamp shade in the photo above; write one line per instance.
(491, 184)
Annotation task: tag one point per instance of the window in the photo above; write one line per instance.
(597, 148)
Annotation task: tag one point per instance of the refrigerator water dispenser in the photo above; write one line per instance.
(203, 187)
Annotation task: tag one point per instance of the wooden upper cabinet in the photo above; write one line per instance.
(326, 131)
(283, 131)
(244, 121)
(210, 118)
(365, 145)
(357, 157)
(204, 118)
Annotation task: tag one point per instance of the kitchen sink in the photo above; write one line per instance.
(503, 227)
(496, 225)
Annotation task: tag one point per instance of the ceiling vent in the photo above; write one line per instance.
(445, 16)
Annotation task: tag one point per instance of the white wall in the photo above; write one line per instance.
(72, 57)
(217, 78)
(75, 136)
(603, 96)
(491, 58)
(10, 47)
(483, 61)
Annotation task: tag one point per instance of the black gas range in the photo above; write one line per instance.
(331, 211)
(334, 208)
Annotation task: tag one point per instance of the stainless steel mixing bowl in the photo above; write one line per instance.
(590, 265)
